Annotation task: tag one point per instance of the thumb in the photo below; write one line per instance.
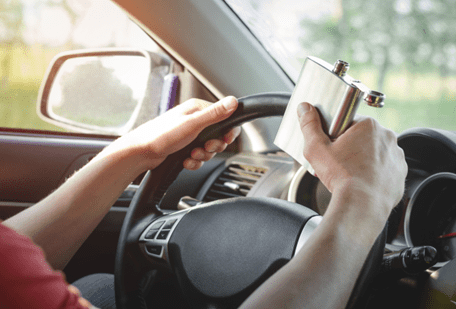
(216, 112)
(310, 123)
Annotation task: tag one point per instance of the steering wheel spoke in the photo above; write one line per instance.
(153, 242)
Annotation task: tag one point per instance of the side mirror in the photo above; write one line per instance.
(107, 91)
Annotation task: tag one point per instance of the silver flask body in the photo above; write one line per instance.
(334, 93)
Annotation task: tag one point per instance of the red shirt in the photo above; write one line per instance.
(27, 280)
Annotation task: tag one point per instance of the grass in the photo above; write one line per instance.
(18, 108)
(400, 115)
(19, 85)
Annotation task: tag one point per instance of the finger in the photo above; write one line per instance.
(311, 128)
(201, 155)
(232, 135)
(191, 106)
(215, 145)
(192, 164)
(216, 112)
(359, 118)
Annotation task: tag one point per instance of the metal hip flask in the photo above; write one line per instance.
(334, 93)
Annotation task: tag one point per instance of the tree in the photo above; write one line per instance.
(387, 33)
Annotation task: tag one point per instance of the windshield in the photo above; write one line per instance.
(403, 48)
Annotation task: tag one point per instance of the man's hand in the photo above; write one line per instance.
(365, 170)
(366, 157)
(172, 131)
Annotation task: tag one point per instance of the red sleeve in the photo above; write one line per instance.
(27, 280)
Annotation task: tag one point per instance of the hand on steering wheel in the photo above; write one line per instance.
(172, 131)
(247, 222)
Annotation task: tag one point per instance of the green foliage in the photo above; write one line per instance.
(408, 52)
(401, 115)
(18, 108)
(388, 33)
(408, 47)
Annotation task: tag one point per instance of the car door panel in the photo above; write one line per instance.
(32, 165)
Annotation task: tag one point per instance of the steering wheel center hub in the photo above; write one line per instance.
(231, 246)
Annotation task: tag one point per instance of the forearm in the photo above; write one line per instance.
(62, 221)
(365, 170)
(324, 272)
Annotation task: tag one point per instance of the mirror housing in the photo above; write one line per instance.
(105, 91)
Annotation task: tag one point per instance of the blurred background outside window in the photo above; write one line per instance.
(32, 32)
(404, 48)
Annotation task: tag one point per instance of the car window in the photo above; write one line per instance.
(32, 32)
(403, 48)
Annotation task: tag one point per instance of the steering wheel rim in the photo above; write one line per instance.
(129, 263)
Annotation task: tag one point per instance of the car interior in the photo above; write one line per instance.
(211, 50)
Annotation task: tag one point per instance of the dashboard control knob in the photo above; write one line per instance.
(417, 259)
(410, 260)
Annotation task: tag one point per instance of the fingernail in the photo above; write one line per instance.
(303, 108)
(229, 103)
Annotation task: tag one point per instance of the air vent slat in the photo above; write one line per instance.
(226, 193)
(238, 170)
(244, 191)
(211, 198)
(235, 181)
(240, 183)
(237, 176)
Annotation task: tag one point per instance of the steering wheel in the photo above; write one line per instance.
(220, 252)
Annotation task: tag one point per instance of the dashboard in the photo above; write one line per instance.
(425, 216)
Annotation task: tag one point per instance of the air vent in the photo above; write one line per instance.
(236, 180)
